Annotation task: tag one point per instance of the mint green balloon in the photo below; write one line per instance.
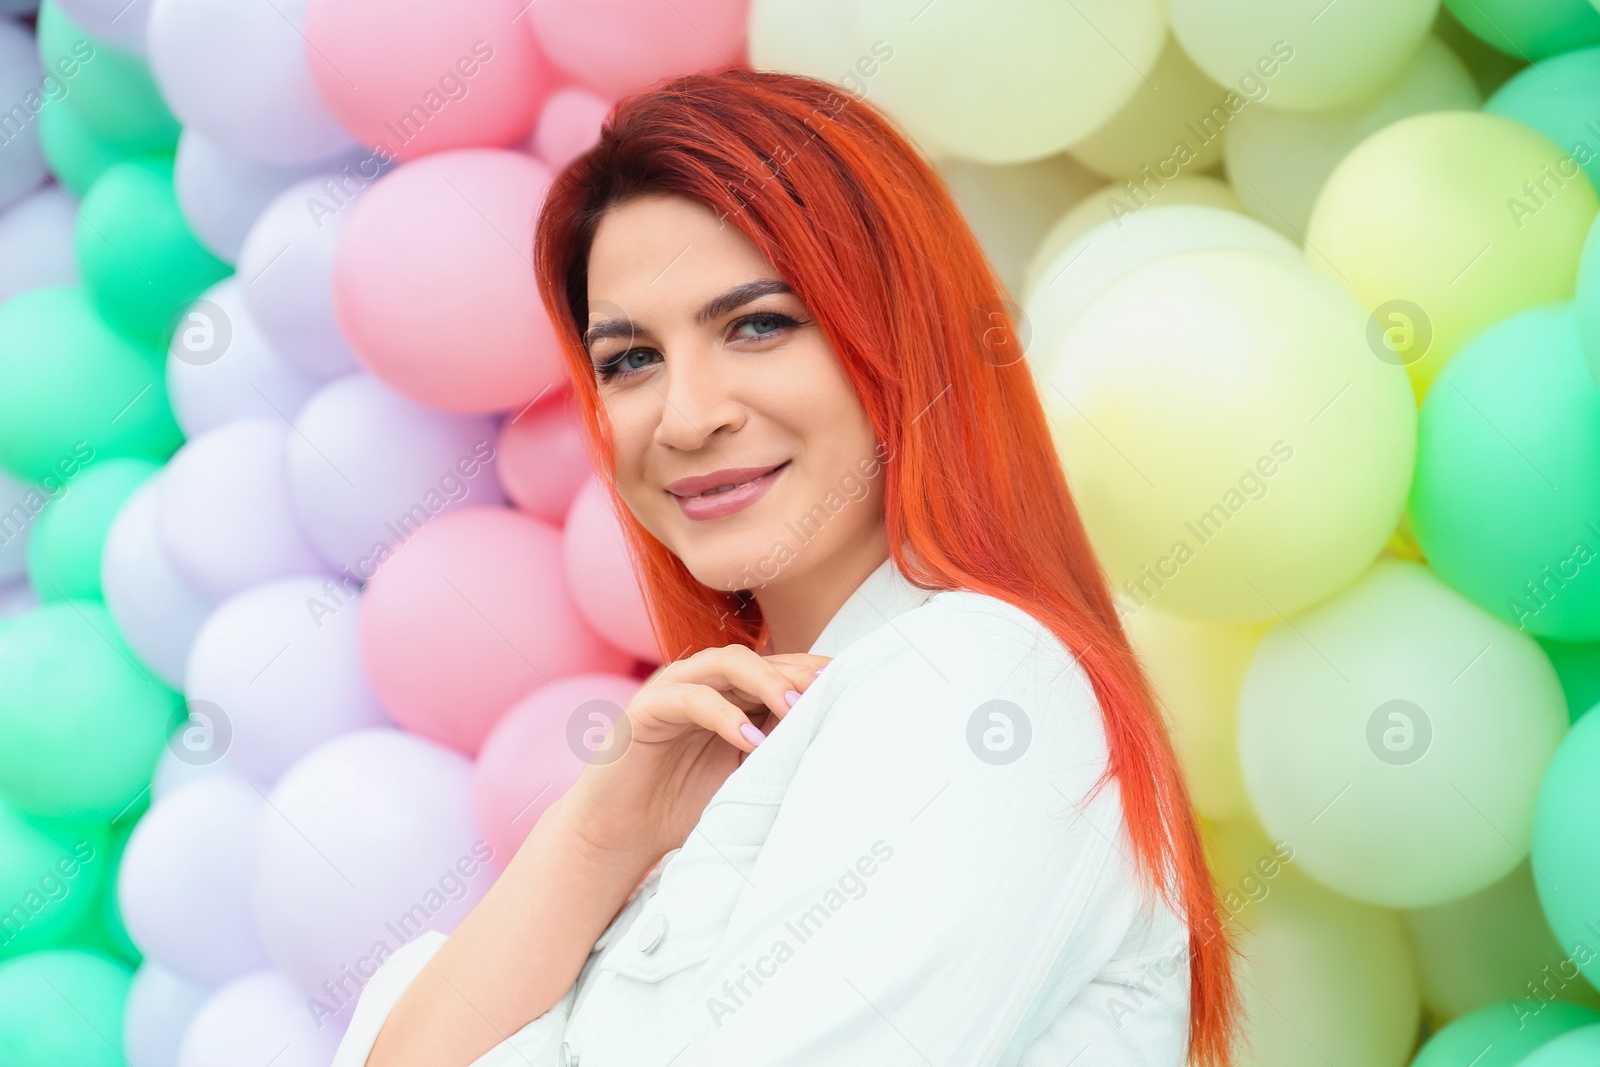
(62, 1007)
(70, 534)
(139, 261)
(1566, 861)
(81, 721)
(75, 155)
(72, 390)
(1505, 503)
(1560, 98)
(53, 874)
(109, 932)
(1575, 1048)
(1530, 29)
(1578, 667)
(1501, 1035)
(111, 91)
(1588, 298)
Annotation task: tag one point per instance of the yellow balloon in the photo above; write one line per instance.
(1004, 83)
(1236, 449)
(1445, 223)
(1299, 56)
(1176, 118)
(1278, 160)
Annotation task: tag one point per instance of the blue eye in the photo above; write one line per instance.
(628, 362)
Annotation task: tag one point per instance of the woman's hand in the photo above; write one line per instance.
(676, 744)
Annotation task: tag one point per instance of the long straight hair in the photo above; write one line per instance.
(865, 232)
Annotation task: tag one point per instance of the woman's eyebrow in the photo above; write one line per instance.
(714, 308)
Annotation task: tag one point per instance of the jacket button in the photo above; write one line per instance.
(655, 928)
(569, 1058)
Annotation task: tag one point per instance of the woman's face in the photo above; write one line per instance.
(713, 374)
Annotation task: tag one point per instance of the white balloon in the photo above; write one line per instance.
(282, 662)
(17, 598)
(222, 511)
(369, 467)
(184, 882)
(36, 235)
(21, 162)
(238, 72)
(221, 369)
(221, 192)
(160, 1006)
(368, 841)
(258, 1019)
(177, 767)
(119, 23)
(156, 609)
(287, 259)
(14, 532)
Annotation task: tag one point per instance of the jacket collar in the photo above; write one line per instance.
(885, 594)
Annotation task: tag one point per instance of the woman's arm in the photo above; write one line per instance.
(516, 954)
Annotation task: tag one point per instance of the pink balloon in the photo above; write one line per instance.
(543, 461)
(601, 574)
(618, 46)
(467, 618)
(538, 750)
(433, 285)
(569, 125)
(409, 77)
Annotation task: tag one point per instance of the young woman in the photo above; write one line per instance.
(965, 838)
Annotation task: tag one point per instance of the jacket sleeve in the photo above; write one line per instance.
(536, 1045)
(936, 874)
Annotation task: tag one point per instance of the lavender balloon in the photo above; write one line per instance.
(257, 1019)
(161, 1004)
(221, 193)
(21, 162)
(119, 23)
(14, 534)
(36, 242)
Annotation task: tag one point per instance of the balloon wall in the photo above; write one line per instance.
(308, 589)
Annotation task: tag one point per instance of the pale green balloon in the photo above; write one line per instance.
(1277, 54)
(1575, 1048)
(1278, 160)
(1004, 83)
(1494, 946)
(1236, 449)
(1501, 1035)
(52, 872)
(70, 533)
(1430, 223)
(63, 1006)
(1396, 736)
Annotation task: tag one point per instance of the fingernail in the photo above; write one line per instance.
(821, 669)
(751, 734)
(791, 696)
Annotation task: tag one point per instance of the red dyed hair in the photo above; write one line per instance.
(865, 232)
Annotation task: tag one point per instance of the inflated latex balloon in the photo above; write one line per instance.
(1196, 669)
(1515, 431)
(156, 609)
(139, 261)
(14, 544)
(1278, 160)
(1114, 203)
(1235, 448)
(535, 753)
(469, 618)
(616, 47)
(1437, 223)
(600, 574)
(63, 1005)
(72, 389)
(1575, 1048)
(160, 1007)
(288, 257)
(1527, 31)
(109, 90)
(239, 74)
(368, 841)
(367, 468)
(221, 193)
(1175, 120)
(281, 663)
(1578, 667)
(1325, 980)
(257, 1018)
(185, 881)
(440, 77)
(36, 242)
(69, 536)
(1588, 300)
(433, 286)
(223, 516)
(221, 369)
(77, 156)
(21, 161)
(569, 125)
(1484, 948)
(1036, 75)
(82, 723)
(53, 872)
(1275, 56)
(1557, 98)
(1116, 247)
(819, 38)
(1395, 784)
(542, 457)
(119, 23)
(1566, 868)
(1502, 1034)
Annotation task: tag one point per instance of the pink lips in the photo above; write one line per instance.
(699, 500)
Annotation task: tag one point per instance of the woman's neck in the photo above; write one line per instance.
(798, 607)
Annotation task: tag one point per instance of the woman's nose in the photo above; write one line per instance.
(697, 403)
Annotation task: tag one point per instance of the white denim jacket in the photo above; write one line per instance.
(904, 872)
